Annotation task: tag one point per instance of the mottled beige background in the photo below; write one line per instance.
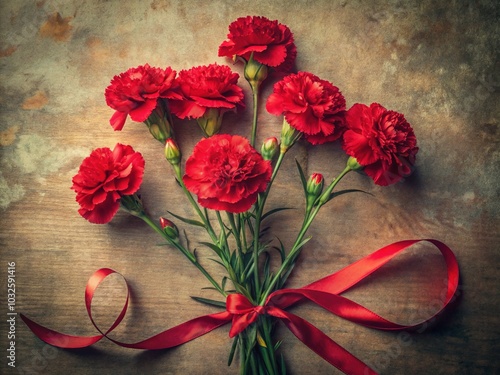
(435, 61)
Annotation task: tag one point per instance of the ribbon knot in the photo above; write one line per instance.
(325, 292)
(243, 311)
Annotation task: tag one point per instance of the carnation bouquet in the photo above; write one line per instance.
(227, 180)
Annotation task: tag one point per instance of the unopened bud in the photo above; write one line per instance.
(353, 164)
(159, 124)
(314, 188)
(315, 185)
(269, 148)
(255, 72)
(289, 136)
(169, 228)
(172, 152)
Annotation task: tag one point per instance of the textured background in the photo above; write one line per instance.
(437, 62)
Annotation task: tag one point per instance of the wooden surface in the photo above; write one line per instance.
(436, 62)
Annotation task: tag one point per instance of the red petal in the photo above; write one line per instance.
(183, 109)
(118, 120)
(273, 56)
(142, 112)
(102, 213)
(357, 145)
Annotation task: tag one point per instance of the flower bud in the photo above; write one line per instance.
(169, 228)
(269, 148)
(289, 136)
(314, 188)
(255, 72)
(315, 185)
(353, 164)
(159, 124)
(172, 152)
(210, 122)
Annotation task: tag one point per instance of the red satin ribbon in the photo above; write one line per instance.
(324, 292)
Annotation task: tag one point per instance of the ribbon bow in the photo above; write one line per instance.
(324, 292)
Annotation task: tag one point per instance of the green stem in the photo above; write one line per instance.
(226, 260)
(261, 201)
(203, 217)
(223, 236)
(292, 255)
(255, 95)
(255, 250)
(277, 166)
(269, 349)
(243, 234)
(184, 251)
(236, 232)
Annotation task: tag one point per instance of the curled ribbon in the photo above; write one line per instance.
(324, 292)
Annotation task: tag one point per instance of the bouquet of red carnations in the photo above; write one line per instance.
(227, 181)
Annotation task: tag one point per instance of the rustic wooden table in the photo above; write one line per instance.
(436, 62)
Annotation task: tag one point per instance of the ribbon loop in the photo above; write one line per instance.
(244, 313)
(324, 292)
(169, 338)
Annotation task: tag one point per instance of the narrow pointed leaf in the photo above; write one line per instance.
(341, 192)
(273, 211)
(302, 176)
(188, 221)
(210, 302)
(218, 262)
(281, 250)
(215, 248)
(233, 350)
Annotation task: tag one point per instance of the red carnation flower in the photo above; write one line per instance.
(226, 173)
(136, 92)
(381, 141)
(310, 105)
(270, 42)
(205, 87)
(103, 178)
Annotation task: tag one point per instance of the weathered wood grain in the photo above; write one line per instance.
(435, 62)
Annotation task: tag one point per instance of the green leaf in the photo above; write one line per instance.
(250, 215)
(233, 259)
(267, 266)
(304, 241)
(217, 261)
(252, 337)
(273, 211)
(248, 271)
(268, 275)
(281, 250)
(283, 365)
(187, 221)
(302, 177)
(210, 302)
(277, 345)
(346, 191)
(284, 277)
(233, 350)
(215, 248)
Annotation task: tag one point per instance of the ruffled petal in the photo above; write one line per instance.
(118, 120)
(142, 112)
